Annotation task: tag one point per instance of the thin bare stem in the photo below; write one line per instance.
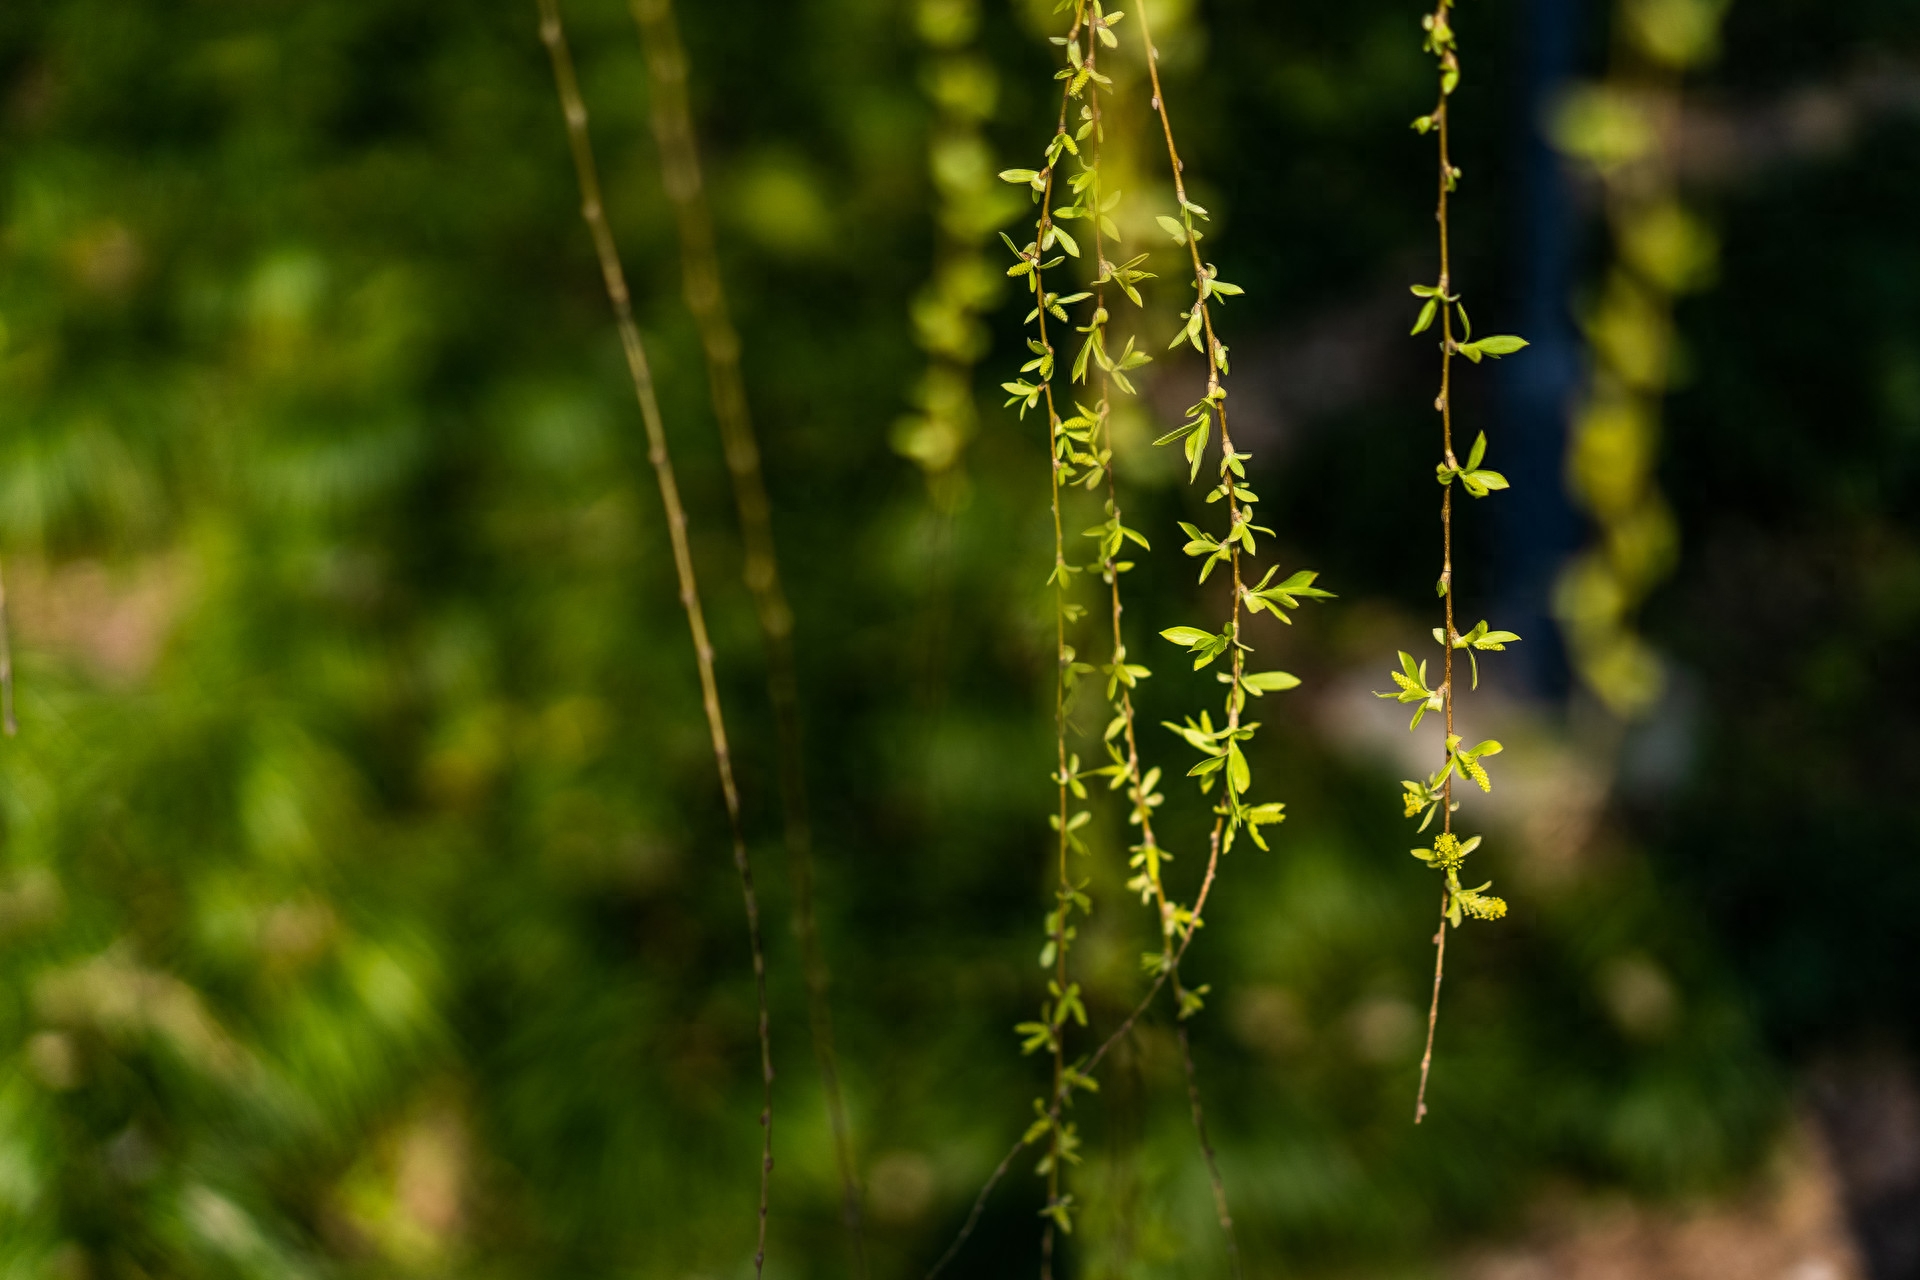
(680, 171)
(979, 1206)
(1433, 1010)
(7, 721)
(1123, 1180)
(592, 211)
(1206, 1148)
(1094, 1059)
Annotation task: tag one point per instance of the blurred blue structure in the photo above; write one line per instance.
(1536, 527)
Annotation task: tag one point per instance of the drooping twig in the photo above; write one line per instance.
(979, 1206)
(1435, 794)
(1441, 125)
(1433, 1009)
(592, 211)
(1206, 1149)
(7, 721)
(1204, 283)
(681, 175)
(1094, 1059)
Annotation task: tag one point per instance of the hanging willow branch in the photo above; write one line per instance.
(1223, 750)
(1084, 1067)
(680, 174)
(1083, 455)
(1423, 798)
(592, 211)
(1078, 455)
(7, 722)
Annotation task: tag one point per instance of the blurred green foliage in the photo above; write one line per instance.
(363, 889)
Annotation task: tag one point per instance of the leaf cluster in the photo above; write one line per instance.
(1447, 855)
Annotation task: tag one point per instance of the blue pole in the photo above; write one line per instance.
(1535, 528)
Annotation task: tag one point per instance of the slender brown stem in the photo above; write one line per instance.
(1123, 1182)
(1061, 899)
(1216, 395)
(592, 211)
(1149, 846)
(1094, 1059)
(1433, 1010)
(1206, 1148)
(1059, 580)
(1145, 814)
(1449, 63)
(680, 171)
(1133, 775)
(1135, 779)
(6, 668)
(1006, 1161)
(979, 1206)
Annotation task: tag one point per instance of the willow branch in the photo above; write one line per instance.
(1433, 1009)
(592, 211)
(1061, 661)
(979, 1206)
(1236, 514)
(1092, 1060)
(680, 171)
(1206, 1148)
(7, 721)
(1449, 63)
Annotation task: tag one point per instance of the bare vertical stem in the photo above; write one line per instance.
(7, 721)
(1433, 1010)
(592, 211)
(680, 171)
(1124, 1178)
(979, 1206)
(1094, 1059)
(1206, 1149)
